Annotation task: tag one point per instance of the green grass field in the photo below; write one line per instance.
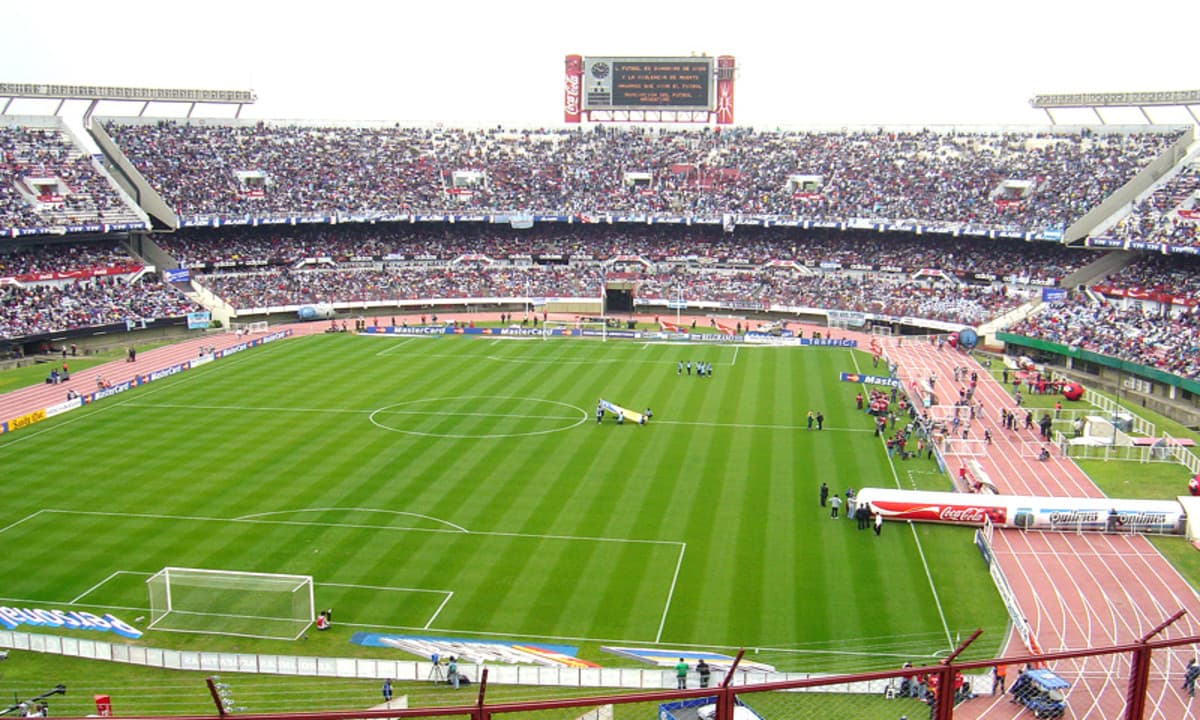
(462, 487)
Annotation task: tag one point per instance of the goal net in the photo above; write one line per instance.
(577, 328)
(245, 328)
(958, 447)
(228, 602)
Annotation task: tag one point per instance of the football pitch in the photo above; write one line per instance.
(463, 487)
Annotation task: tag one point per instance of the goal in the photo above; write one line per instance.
(578, 327)
(228, 602)
(246, 328)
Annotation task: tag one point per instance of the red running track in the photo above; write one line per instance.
(1075, 590)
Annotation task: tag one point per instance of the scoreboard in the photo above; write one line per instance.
(611, 83)
(648, 89)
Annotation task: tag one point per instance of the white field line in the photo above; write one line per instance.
(937, 601)
(671, 592)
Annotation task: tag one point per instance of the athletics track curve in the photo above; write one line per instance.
(1076, 591)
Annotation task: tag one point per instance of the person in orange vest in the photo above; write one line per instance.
(1001, 675)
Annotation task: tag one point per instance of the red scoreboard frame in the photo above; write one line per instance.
(649, 89)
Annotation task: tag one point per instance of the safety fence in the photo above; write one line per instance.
(1135, 680)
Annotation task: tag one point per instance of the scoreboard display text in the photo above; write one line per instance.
(616, 83)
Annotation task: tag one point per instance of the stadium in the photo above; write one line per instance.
(297, 408)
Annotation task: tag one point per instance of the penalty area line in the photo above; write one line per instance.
(437, 612)
(671, 592)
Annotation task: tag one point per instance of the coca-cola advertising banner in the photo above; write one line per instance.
(1030, 513)
(1145, 294)
(573, 90)
(79, 274)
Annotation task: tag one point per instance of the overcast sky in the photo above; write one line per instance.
(800, 63)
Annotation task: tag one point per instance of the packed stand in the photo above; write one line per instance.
(1171, 214)
(1168, 279)
(941, 278)
(74, 192)
(38, 309)
(935, 178)
(1164, 340)
(68, 285)
(1025, 263)
(83, 259)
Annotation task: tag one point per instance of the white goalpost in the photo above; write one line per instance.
(228, 602)
(549, 326)
(246, 328)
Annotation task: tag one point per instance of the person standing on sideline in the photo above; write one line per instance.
(862, 515)
(878, 523)
(705, 672)
(1190, 673)
(820, 420)
(1001, 674)
(387, 690)
(452, 671)
(850, 503)
(824, 494)
(835, 502)
(681, 671)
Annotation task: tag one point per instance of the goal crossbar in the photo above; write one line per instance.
(230, 602)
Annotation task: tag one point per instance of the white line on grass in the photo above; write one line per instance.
(31, 516)
(355, 526)
(937, 601)
(344, 411)
(383, 588)
(671, 592)
(438, 611)
(142, 392)
(254, 516)
(735, 354)
(405, 341)
(869, 653)
(751, 426)
(87, 592)
(245, 408)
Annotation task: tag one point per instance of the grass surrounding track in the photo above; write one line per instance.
(399, 470)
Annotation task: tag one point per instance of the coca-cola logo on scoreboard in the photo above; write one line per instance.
(572, 94)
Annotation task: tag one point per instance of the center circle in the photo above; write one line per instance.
(506, 416)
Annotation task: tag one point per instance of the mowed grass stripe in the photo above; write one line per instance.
(764, 565)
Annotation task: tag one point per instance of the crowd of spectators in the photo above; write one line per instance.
(1157, 276)
(752, 268)
(18, 259)
(208, 170)
(54, 307)
(894, 275)
(1040, 263)
(80, 193)
(1169, 215)
(1169, 341)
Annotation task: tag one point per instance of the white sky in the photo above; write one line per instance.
(501, 61)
